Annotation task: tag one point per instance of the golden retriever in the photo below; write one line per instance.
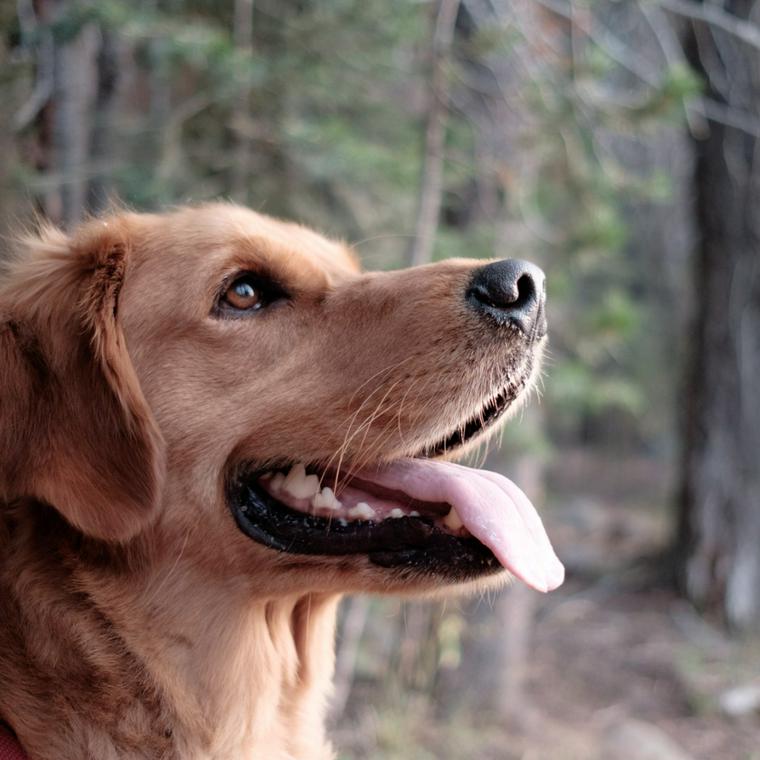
(212, 425)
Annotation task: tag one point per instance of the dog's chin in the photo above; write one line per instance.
(365, 528)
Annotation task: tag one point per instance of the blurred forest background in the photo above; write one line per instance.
(615, 142)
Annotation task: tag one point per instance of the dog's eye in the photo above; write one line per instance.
(243, 295)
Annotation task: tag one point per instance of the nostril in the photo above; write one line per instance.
(504, 294)
(485, 296)
(526, 291)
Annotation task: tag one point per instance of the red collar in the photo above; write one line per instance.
(10, 749)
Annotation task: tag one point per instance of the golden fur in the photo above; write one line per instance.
(136, 620)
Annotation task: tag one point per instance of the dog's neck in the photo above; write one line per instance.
(162, 665)
(246, 678)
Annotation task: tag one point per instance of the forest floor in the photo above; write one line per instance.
(618, 667)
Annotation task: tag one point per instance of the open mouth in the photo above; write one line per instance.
(389, 527)
(416, 514)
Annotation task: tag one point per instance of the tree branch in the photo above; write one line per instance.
(710, 14)
(243, 40)
(44, 77)
(431, 186)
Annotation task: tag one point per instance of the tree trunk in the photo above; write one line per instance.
(356, 612)
(102, 144)
(719, 536)
(241, 117)
(431, 185)
(74, 95)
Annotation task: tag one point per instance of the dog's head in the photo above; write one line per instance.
(237, 386)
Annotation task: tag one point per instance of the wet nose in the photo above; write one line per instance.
(510, 291)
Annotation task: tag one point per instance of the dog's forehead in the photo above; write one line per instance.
(224, 235)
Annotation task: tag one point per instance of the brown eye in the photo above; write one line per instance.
(243, 295)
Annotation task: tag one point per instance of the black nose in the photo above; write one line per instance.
(510, 292)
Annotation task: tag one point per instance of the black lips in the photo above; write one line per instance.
(409, 542)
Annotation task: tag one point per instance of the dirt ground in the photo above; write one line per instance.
(616, 667)
(635, 671)
(635, 674)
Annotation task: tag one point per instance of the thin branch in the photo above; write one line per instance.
(44, 79)
(243, 39)
(720, 113)
(357, 612)
(171, 142)
(27, 22)
(618, 50)
(745, 31)
(431, 187)
(674, 54)
(43, 89)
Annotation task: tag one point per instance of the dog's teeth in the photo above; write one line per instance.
(296, 473)
(275, 484)
(414, 513)
(294, 479)
(300, 485)
(325, 499)
(452, 520)
(362, 510)
(395, 513)
(310, 486)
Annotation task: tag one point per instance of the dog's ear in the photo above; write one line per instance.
(75, 429)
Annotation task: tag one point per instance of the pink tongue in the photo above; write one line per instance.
(491, 507)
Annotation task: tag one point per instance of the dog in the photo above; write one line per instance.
(212, 426)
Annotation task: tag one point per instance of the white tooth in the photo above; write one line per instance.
(362, 510)
(414, 513)
(275, 484)
(297, 472)
(329, 495)
(452, 520)
(300, 485)
(396, 513)
(310, 486)
(325, 499)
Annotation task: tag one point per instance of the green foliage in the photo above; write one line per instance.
(575, 390)
(476, 243)
(604, 308)
(331, 103)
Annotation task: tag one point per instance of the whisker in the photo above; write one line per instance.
(352, 418)
(363, 427)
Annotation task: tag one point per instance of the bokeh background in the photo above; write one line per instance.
(615, 142)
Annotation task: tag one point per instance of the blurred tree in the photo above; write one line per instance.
(431, 182)
(241, 122)
(545, 129)
(720, 506)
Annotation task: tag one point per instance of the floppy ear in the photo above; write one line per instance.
(75, 429)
